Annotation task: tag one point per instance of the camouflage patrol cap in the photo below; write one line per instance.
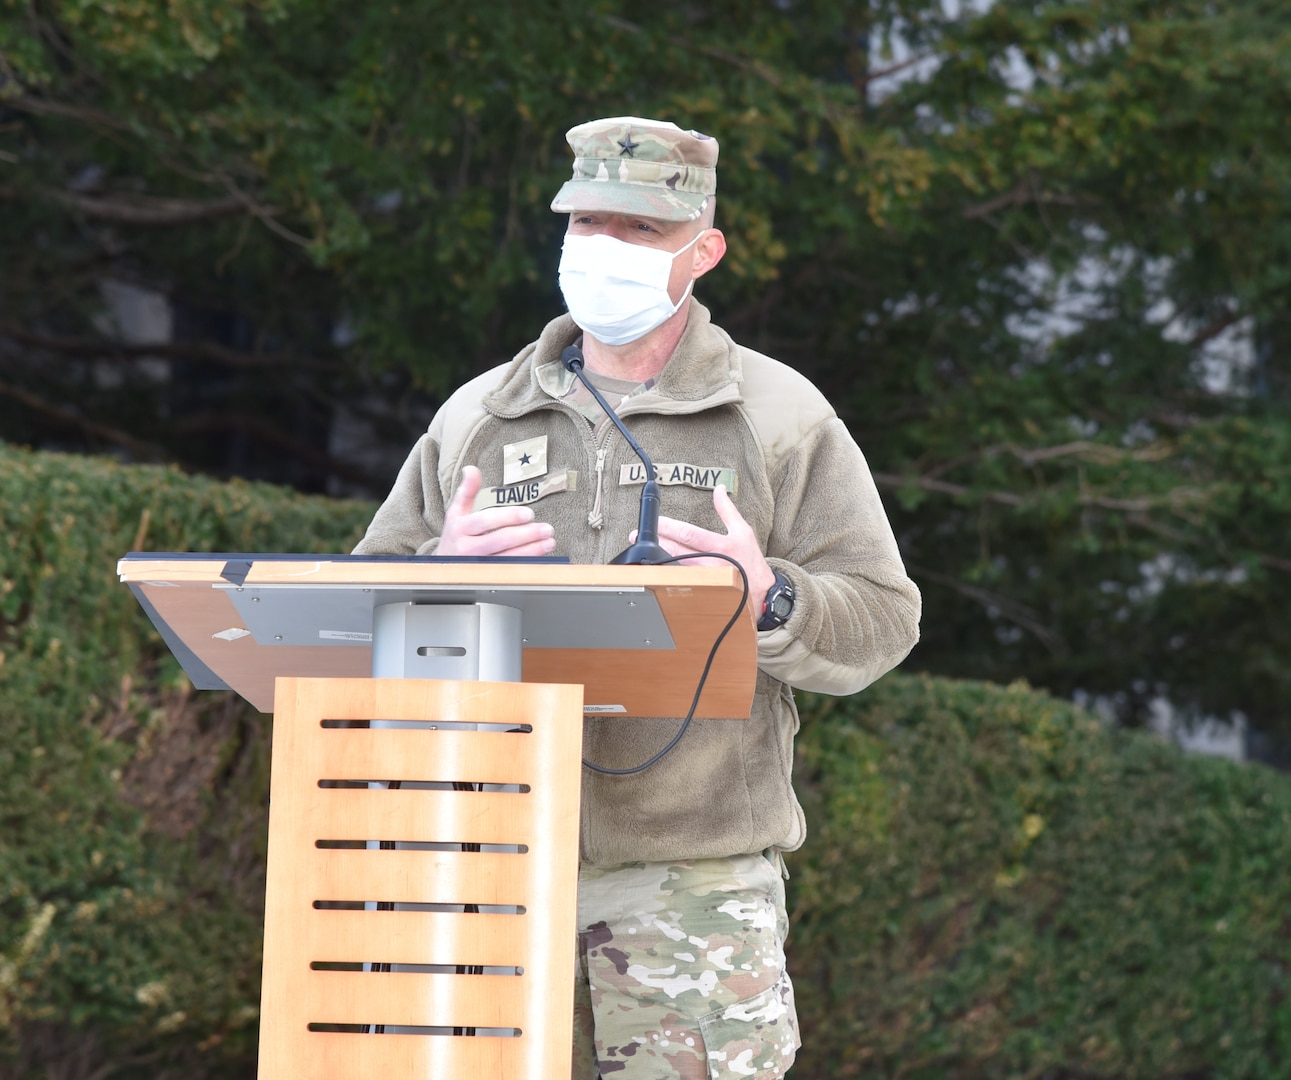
(630, 165)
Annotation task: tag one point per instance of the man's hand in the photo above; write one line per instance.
(497, 530)
(739, 542)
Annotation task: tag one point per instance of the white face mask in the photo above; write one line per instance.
(617, 291)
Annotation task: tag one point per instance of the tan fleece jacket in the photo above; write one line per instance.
(719, 413)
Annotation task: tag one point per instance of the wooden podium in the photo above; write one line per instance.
(424, 799)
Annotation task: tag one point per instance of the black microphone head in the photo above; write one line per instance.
(572, 358)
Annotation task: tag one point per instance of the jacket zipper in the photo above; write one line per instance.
(595, 518)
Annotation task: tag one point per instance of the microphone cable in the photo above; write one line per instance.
(703, 678)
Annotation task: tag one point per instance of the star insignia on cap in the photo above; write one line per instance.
(628, 145)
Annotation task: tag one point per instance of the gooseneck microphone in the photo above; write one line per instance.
(647, 548)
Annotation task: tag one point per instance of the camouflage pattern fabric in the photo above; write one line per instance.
(616, 391)
(632, 165)
(681, 972)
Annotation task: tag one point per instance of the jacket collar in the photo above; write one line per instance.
(703, 371)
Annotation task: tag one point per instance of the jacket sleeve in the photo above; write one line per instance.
(856, 612)
(411, 519)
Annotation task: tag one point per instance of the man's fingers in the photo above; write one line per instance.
(536, 538)
(497, 530)
(668, 545)
(727, 511)
(544, 546)
(464, 497)
(689, 536)
(472, 522)
(697, 539)
(493, 519)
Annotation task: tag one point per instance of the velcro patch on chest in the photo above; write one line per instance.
(530, 491)
(524, 460)
(704, 477)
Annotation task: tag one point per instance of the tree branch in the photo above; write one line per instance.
(892, 69)
(260, 429)
(1098, 453)
(150, 452)
(942, 487)
(757, 67)
(142, 450)
(1026, 191)
(154, 210)
(263, 214)
(166, 350)
(1015, 612)
(150, 210)
(1273, 562)
(1215, 328)
(1175, 499)
(41, 107)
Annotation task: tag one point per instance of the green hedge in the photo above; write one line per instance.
(994, 885)
(132, 810)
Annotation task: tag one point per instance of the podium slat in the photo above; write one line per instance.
(364, 1057)
(492, 1001)
(402, 754)
(461, 817)
(417, 937)
(414, 877)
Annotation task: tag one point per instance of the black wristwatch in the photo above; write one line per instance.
(778, 605)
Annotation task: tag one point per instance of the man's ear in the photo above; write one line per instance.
(709, 250)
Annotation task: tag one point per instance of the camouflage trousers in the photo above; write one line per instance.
(680, 972)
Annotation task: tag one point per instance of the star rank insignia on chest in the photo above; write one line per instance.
(524, 460)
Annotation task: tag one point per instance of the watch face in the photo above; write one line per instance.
(778, 604)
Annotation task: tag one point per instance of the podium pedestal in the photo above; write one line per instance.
(446, 950)
(423, 827)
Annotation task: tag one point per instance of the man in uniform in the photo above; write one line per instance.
(680, 954)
